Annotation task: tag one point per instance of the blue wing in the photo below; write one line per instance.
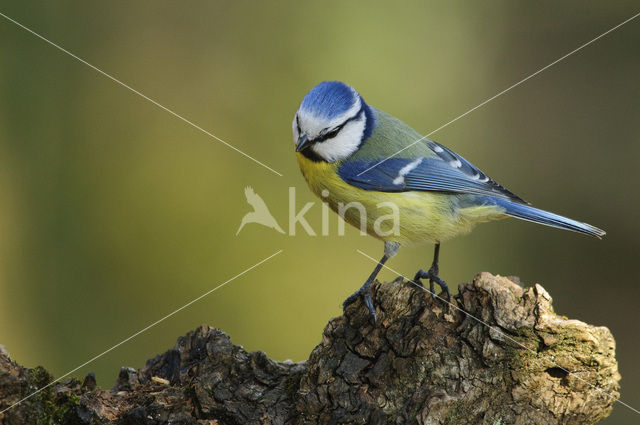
(445, 171)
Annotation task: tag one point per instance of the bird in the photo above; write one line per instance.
(351, 152)
(260, 213)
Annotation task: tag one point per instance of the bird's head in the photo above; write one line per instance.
(332, 122)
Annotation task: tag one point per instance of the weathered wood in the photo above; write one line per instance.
(423, 363)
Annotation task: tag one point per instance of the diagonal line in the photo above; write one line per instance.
(114, 79)
(503, 334)
(506, 90)
(141, 331)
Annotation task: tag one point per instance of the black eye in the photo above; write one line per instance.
(333, 133)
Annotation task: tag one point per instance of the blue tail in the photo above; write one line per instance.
(529, 213)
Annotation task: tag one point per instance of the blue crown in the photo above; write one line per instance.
(329, 99)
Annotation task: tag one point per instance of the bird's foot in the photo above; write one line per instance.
(432, 275)
(365, 293)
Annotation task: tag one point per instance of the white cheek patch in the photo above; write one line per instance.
(344, 144)
(406, 170)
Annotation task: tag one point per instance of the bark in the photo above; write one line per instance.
(424, 362)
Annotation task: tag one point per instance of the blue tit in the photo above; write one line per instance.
(351, 153)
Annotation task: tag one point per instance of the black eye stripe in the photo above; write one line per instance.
(333, 133)
(329, 135)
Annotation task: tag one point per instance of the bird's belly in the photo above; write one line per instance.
(405, 217)
(419, 217)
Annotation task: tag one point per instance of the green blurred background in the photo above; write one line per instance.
(113, 213)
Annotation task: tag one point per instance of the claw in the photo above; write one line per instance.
(369, 303)
(433, 278)
(416, 279)
(365, 293)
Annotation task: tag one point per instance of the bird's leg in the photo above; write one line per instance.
(365, 291)
(432, 275)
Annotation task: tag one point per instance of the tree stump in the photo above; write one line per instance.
(503, 358)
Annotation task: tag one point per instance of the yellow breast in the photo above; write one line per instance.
(421, 216)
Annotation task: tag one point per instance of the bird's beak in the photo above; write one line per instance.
(303, 143)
